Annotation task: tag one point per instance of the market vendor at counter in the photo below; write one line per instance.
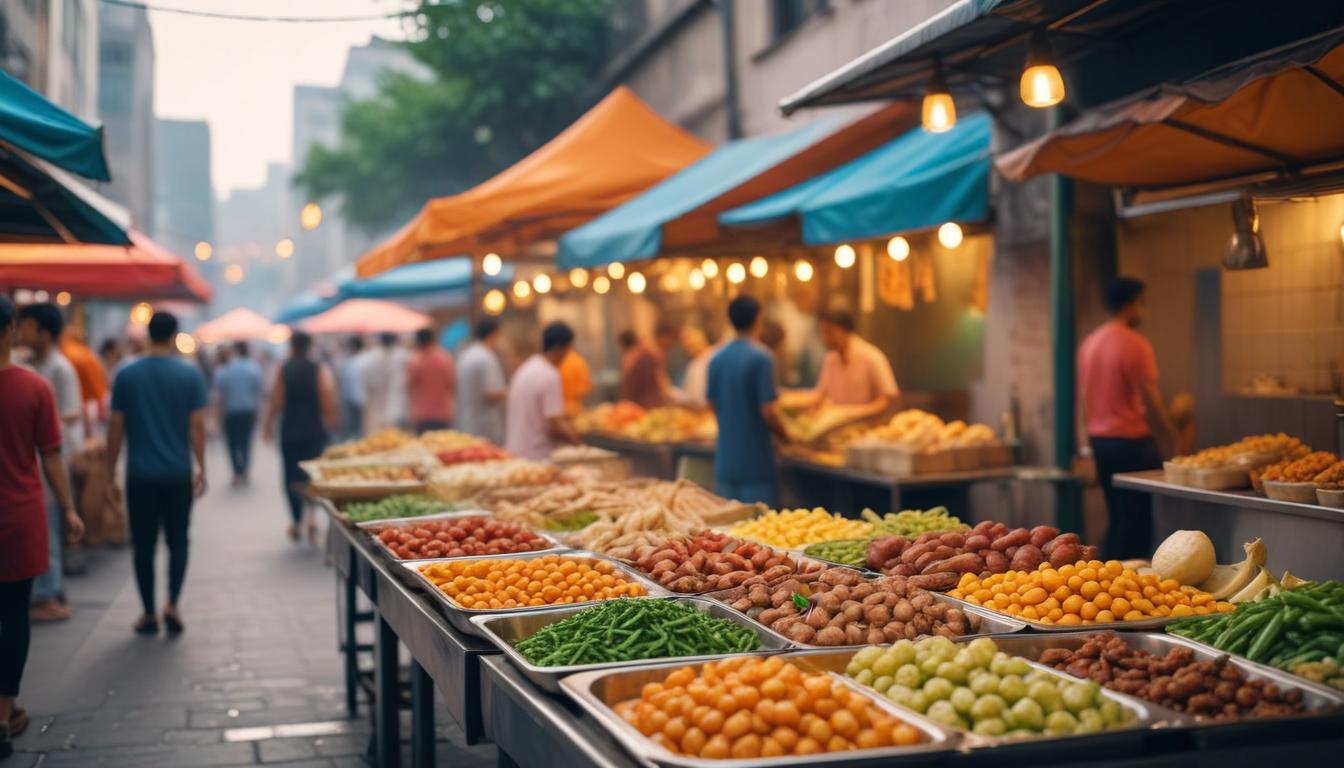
(741, 391)
(856, 381)
(537, 422)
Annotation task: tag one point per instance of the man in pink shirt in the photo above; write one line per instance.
(431, 382)
(855, 375)
(1117, 377)
(536, 420)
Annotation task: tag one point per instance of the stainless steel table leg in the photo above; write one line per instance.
(349, 644)
(387, 704)
(422, 717)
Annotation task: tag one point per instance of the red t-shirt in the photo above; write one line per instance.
(431, 385)
(640, 382)
(1114, 364)
(28, 424)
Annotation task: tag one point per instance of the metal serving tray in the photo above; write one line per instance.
(1122, 741)
(461, 617)
(798, 558)
(597, 691)
(371, 528)
(991, 623)
(433, 516)
(1114, 626)
(1325, 706)
(506, 630)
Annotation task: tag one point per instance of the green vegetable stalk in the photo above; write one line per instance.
(632, 629)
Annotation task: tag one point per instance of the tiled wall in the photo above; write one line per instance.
(1285, 321)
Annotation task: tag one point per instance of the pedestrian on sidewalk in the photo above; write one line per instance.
(481, 385)
(238, 389)
(304, 398)
(352, 389)
(40, 328)
(28, 428)
(158, 406)
(431, 383)
(537, 423)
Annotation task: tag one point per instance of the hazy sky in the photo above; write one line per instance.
(240, 75)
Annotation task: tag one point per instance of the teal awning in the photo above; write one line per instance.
(41, 203)
(635, 230)
(306, 304)
(420, 279)
(914, 181)
(31, 123)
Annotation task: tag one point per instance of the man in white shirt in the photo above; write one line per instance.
(695, 383)
(537, 424)
(40, 327)
(481, 387)
(382, 369)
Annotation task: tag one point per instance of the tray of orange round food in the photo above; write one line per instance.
(525, 582)
(1089, 593)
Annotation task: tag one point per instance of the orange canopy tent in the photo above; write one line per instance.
(142, 270)
(240, 324)
(367, 316)
(613, 152)
(1279, 115)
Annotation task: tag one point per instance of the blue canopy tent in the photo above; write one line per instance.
(304, 305)
(40, 128)
(914, 181)
(456, 333)
(41, 203)
(445, 276)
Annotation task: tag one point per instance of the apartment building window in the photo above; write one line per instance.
(788, 15)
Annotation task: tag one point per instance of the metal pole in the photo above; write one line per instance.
(387, 706)
(1062, 338)
(730, 98)
(422, 717)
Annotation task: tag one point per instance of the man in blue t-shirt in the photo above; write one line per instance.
(238, 386)
(742, 393)
(159, 404)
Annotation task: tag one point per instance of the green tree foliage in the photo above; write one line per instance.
(508, 76)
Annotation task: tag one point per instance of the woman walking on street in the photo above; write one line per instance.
(304, 398)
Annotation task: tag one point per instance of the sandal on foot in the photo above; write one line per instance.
(147, 625)
(18, 722)
(173, 623)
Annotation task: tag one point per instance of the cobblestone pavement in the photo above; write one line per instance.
(259, 650)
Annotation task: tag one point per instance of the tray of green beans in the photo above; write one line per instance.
(403, 506)
(851, 552)
(549, 644)
(912, 522)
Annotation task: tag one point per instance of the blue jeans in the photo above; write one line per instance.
(49, 585)
(764, 492)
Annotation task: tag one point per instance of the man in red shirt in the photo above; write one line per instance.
(431, 383)
(28, 427)
(644, 380)
(1117, 374)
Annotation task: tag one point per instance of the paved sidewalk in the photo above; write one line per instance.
(259, 650)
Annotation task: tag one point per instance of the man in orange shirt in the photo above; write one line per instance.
(89, 370)
(1117, 377)
(576, 380)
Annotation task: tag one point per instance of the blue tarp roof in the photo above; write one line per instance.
(426, 277)
(914, 181)
(37, 126)
(634, 230)
(304, 305)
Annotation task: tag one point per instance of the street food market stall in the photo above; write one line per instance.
(525, 679)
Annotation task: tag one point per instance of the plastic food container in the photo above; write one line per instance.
(1330, 498)
(1219, 478)
(1178, 474)
(1302, 493)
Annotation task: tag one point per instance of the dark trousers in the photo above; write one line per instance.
(152, 505)
(238, 426)
(291, 453)
(1130, 532)
(354, 420)
(15, 632)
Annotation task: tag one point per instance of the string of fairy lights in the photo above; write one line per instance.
(603, 280)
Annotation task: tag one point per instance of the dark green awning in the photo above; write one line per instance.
(31, 123)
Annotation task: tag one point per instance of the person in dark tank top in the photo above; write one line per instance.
(303, 399)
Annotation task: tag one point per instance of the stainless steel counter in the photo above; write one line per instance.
(1303, 538)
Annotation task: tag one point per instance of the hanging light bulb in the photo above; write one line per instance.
(601, 284)
(63, 298)
(670, 282)
(939, 113)
(233, 274)
(950, 235)
(736, 272)
(898, 248)
(802, 269)
(759, 267)
(491, 264)
(616, 270)
(185, 343)
(710, 267)
(578, 277)
(493, 301)
(141, 313)
(521, 289)
(696, 279)
(1247, 249)
(636, 282)
(1041, 85)
(203, 251)
(845, 256)
(542, 283)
